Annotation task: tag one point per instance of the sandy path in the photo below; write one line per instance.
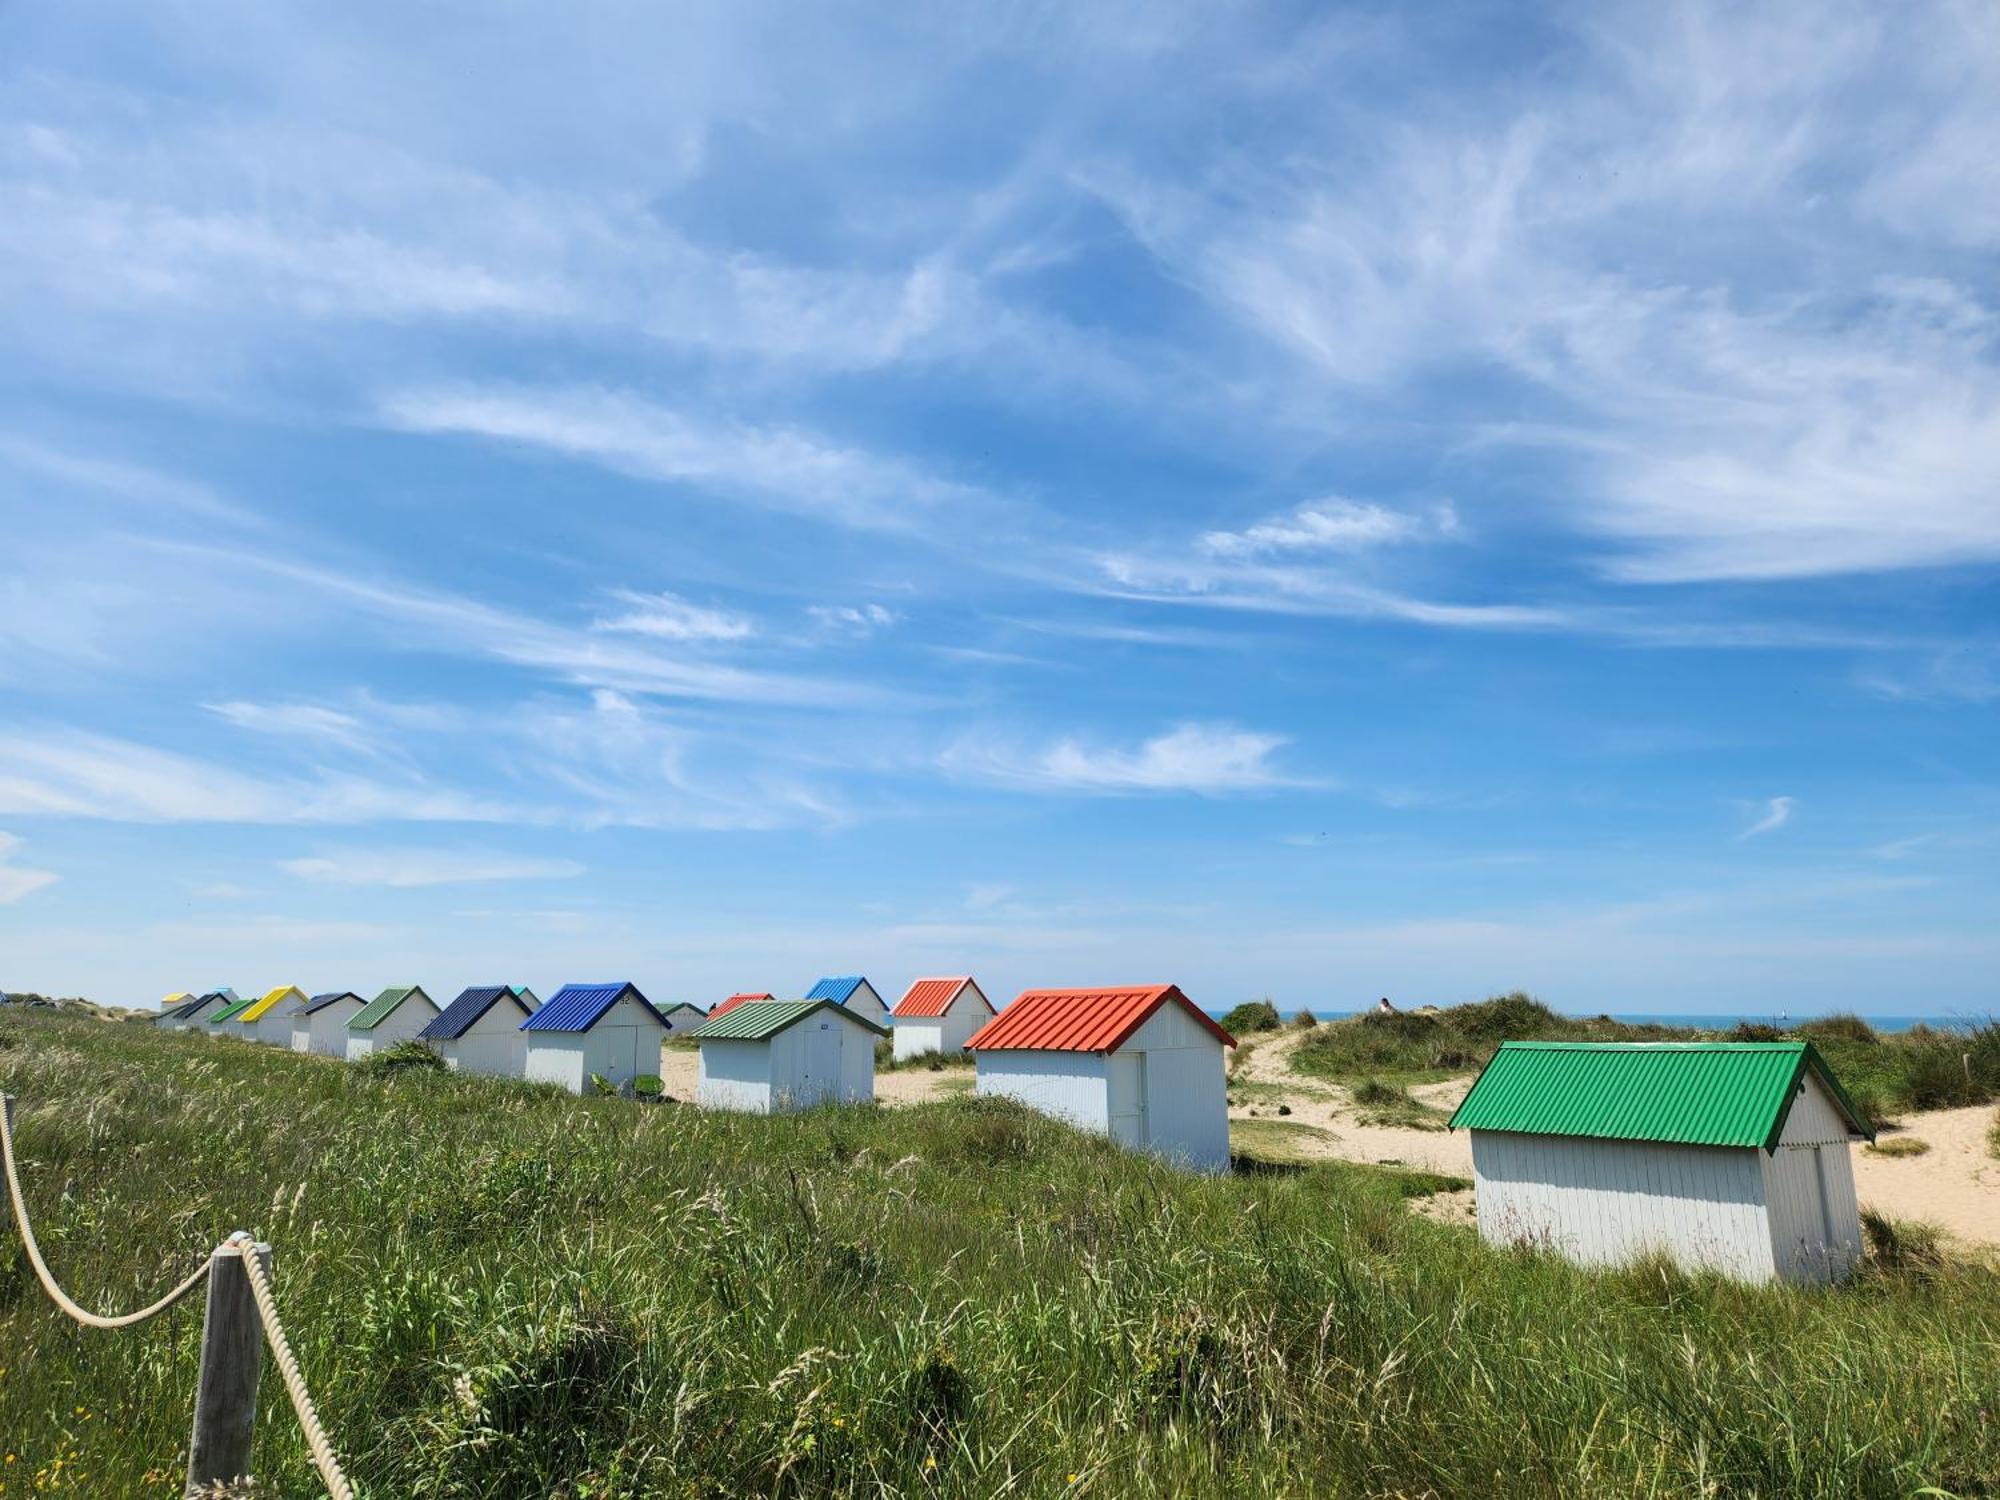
(1329, 1107)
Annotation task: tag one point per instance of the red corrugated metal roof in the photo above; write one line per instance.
(933, 997)
(1081, 1020)
(735, 1000)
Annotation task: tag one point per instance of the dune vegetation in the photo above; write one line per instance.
(497, 1290)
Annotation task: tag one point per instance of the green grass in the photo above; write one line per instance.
(1897, 1145)
(496, 1290)
(935, 1062)
(1390, 1104)
(1281, 1143)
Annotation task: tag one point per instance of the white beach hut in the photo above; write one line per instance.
(480, 1031)
(855, 992)
(1725, 1156)
(320, 1025)
(269, 1019)
(194, 1016)
(395, 1015)
(939, 1015)
(771, 1056)
(607, 1031)
(1142, 1065)
(683, 1016)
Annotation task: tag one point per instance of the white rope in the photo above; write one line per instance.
(57, 1295)
(260, 1289)
(288, 1366)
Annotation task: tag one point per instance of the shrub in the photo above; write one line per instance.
(1508, 1018)
(1375, 1091)
(1755, 1031)
(405, 1057)
(1902, 1246)
(1898, 1145)
(1845, 1027)
(1252, 1015)
(1305, 1019)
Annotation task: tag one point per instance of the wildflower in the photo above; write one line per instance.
(930, 1460)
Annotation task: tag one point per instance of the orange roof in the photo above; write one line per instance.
(735, 1000)
(933, 997)
(1082, 1020)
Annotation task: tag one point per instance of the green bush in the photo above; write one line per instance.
(404, 1057)
(1305, 1019)
(1251, 1016)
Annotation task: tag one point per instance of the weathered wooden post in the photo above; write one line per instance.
(7, 1198)
(232, 1356)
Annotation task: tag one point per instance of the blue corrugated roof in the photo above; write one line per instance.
(578, 1007)
(451, 1023)
(839, 989)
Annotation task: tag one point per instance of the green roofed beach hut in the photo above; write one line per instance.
(1725, 1156)
(225, 1020)
(395, 1015)
(770, 1056)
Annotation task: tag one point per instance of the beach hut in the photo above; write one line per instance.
(683, 1017)
(526, 996)
(856, 993)
(395, 1015)
(939, 1015)
(320, 1025)
(735, 1000)
(269, 1018)
(480, 1031)
(171, 1003)
(1143, 1065)
(1725, 1156)
(224, 1019)
(193, 1015)
(609, 1031)
(770, 1056)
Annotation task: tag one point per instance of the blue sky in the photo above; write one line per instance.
(1294, 501)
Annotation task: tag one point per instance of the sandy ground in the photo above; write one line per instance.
(1955, 1185)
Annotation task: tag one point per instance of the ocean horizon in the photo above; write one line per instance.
(1715, 1021)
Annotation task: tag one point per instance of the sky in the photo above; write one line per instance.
(1289, 500)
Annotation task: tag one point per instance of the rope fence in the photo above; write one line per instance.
(225, 1404)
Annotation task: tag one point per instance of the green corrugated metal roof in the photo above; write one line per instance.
(759, 1020)
(231, 1011)
(1684, 1093)
(383, 1006)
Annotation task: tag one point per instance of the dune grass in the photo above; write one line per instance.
(496, 1290)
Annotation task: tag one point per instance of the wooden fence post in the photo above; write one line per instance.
(232, 1356)
(6, 1199)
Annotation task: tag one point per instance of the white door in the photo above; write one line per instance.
(821, 1055)
(1126, 1079)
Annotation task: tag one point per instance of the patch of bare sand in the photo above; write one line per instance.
(1955, 1185)
(1331, 1109)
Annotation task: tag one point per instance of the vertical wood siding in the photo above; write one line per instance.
(1606, 1202)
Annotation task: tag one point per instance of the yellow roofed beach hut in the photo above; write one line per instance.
(268, 1019)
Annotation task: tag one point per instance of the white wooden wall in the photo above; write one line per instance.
(324, 1032)
(1068, 1085)
(1187, 1090)
(734, 1075)
(1809, 1185)
(409, 1018)
(868, 1005)
(493, 1046)
(946, 1033)
(556, 1057)
(1606, 1202)
(824, 1057)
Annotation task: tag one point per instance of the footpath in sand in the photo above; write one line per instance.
(1955, 1185)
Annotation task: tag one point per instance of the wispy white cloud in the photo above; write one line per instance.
(407, 869)
(83, 775)
(853, 619)
(17, 881)
(1777, 813)
(310, 721)
(1202, 758)
(670, 617)
(1332, 525)
(783, 468)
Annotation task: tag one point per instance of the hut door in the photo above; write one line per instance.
(1126, 1081)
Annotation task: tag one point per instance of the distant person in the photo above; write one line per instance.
(1383, 1007)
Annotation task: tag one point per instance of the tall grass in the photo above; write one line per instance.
(500, 1291)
